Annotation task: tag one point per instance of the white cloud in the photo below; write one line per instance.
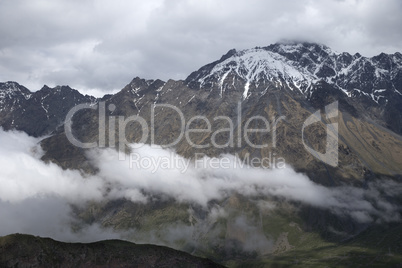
(24, 176)
(49, 217)
(205, 182)
(103, 45)
(35, 197)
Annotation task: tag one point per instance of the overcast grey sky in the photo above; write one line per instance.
(102, 44)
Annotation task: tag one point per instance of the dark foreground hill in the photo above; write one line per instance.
(19, 250)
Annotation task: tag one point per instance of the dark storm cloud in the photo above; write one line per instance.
(102, 44)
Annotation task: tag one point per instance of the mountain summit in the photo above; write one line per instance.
(374, 84)
(300, 65)
(285, 94)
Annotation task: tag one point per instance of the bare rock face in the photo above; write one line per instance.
(284, 83)
(285, 108)
(37, 113)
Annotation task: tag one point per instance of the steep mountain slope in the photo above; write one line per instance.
(367, 152)
(366, 148)
(12, 97)
(282, 84)
(374, 82)
(29, 251)
(300, 65)
(37, 113)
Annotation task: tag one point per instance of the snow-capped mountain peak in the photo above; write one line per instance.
(11, 89)
(257, 64)
(300, 65)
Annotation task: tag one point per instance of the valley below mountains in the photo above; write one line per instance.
(278, 156)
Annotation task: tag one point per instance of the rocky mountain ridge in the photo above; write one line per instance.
(283, 83)
(374, 83)
(288, 80)
(37, 113)
(300, 65)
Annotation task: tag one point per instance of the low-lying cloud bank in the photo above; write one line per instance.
(35, 197)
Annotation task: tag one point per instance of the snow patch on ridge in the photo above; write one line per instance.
(298, 66)
(255, 64)
(246, 88)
